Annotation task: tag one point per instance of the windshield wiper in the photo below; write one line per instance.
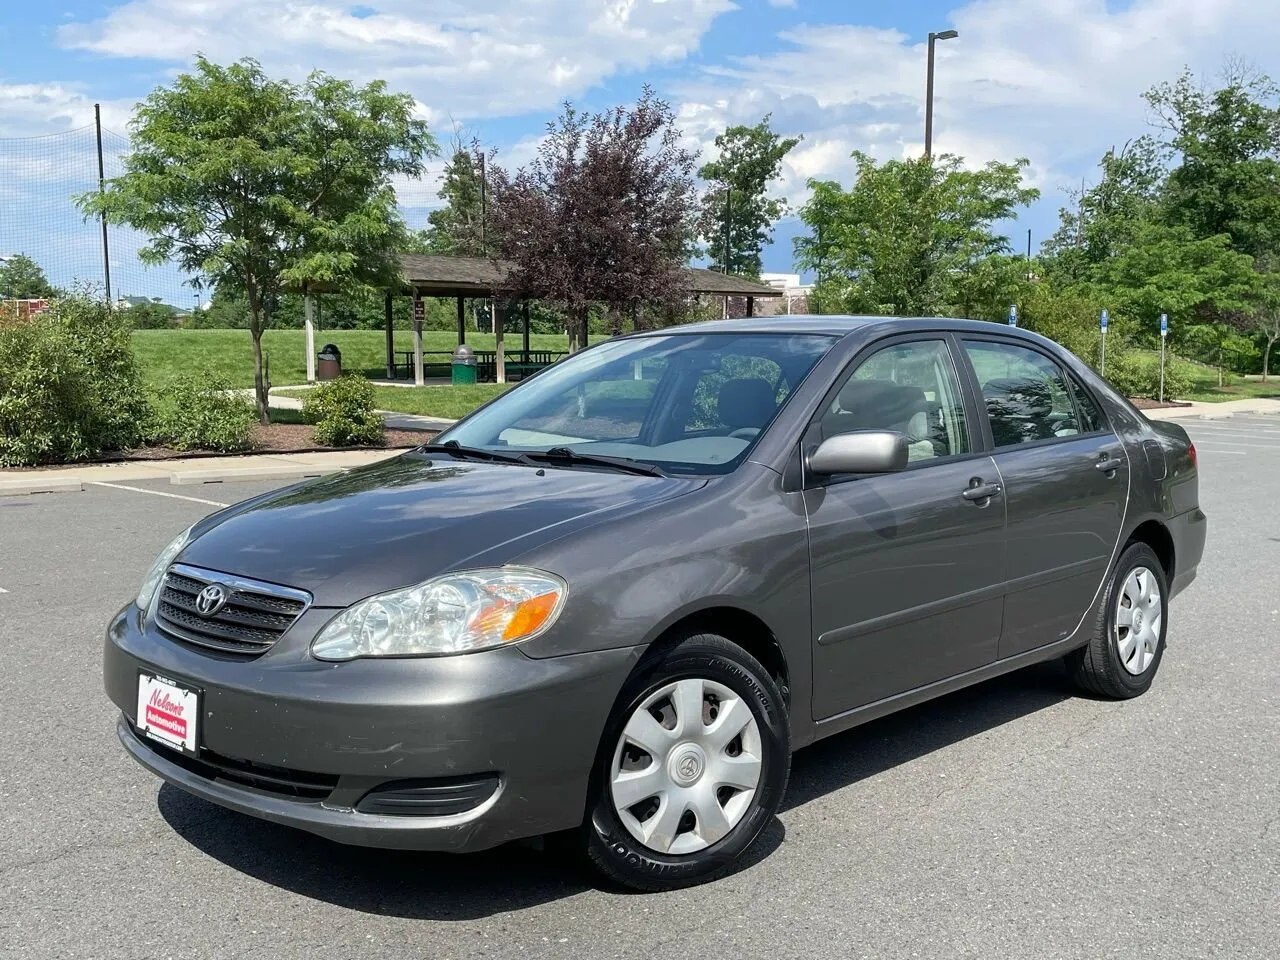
(563, 455)
(453, 448)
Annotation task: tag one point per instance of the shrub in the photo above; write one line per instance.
(201, 413)
(343, 413)
(1138, 375)
(69, 387)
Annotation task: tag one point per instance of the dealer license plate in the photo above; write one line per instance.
(168, 712)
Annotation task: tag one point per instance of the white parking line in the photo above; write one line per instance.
(157, 493)
(3, 590)
(1216, 450)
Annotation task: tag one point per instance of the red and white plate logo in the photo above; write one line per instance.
(167, 712)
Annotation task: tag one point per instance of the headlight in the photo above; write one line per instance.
(456, 613)
(148, 589)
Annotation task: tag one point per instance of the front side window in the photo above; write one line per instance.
(687, 403)
(1024, 391)
(909, 388)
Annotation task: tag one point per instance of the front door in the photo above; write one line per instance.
(1066, 485)
(906, 568)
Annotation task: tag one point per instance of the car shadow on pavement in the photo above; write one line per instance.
(446, 887)
(899, 738)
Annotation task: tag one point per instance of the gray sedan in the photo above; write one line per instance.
(607, 606)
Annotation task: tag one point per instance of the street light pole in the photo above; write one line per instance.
(928, 90)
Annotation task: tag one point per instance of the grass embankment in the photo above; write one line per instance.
(163, 354)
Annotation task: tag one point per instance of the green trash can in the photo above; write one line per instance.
(463, 365)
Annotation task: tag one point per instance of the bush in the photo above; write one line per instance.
(201, 413)
(343, 413)
(1138, 375)
(69, 387)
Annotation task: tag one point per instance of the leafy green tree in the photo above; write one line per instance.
(1227, 141)
(22, 279)
(457, 228)
(737, 203)
(904, 238)
(1165, 269)
(261, 184)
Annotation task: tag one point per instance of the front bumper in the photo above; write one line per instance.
(343, 729)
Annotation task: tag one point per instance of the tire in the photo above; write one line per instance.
(1108, 665)
(703, 844)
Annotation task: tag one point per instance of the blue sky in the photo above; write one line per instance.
(1055, 81)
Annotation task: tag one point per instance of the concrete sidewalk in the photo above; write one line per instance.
(1212, 411)
(191, 470)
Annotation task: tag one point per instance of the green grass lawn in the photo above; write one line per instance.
(163, 354)
(1207, 390)
(447, 401)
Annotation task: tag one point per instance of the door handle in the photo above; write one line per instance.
(977, 490)
(1108, 465)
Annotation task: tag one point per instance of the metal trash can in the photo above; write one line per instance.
(329, 363)
(463, 365)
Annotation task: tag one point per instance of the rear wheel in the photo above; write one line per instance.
(1129, 630)
(692, 767)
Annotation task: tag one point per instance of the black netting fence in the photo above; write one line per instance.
(40, 177)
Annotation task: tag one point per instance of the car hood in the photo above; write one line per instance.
(402, 521)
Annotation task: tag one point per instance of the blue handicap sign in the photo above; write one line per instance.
(1105, 318)
(1164, 324)
(1013, 314)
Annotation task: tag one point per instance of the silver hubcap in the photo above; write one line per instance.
(1138, 620)
(686, 766)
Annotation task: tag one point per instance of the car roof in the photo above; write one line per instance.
(841, 325)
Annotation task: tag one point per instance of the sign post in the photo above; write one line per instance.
(1164, 333)
(1102, 356)
(1013, 314)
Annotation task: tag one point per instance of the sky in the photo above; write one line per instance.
(1054, 81)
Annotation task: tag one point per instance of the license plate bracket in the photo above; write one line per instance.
(169, 712)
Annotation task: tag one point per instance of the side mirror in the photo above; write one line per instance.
(863, 451)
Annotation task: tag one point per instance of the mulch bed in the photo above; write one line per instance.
(270, 438)
(1144, 403)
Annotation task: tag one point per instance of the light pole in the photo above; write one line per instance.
(928, 90)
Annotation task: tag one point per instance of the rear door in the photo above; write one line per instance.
(906, 568)
(1066, 486)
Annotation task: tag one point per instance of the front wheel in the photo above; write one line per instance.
(692, 768)
(1121, 659)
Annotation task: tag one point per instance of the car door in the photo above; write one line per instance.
(906, 568)
(1066, 486)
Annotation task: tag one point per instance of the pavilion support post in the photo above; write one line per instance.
(751, 306)
(524, 316)
(418, 309)
(499, 354)
(391, 337)
(462, 323)
(309, 310)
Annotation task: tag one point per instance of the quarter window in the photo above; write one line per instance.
(1024, 391)
(910, 388)
(1091, 420)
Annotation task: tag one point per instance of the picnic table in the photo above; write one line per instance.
(518, 363)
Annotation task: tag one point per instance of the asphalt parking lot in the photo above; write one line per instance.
(1014, 819)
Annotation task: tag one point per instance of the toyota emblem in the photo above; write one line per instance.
(211, 599)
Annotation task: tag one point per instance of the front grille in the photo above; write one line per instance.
(253, 618)
(264, 778)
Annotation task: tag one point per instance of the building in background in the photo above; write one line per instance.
(795, 295)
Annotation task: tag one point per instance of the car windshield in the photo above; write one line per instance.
(685, 403)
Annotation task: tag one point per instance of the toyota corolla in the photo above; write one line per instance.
(608, 605)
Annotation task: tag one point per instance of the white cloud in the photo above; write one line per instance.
(782, 3)
(37, 109)
(1057, 81)
(473, 59)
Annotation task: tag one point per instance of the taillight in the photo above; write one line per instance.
(1191, 452)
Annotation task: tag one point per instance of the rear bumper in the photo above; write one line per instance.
(317, 738)
(1188, 531)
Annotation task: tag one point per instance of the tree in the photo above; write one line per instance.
(457, 228)
(904, 238)
(22, 279)
(737, 203)
(1228, 142)
(602, 214)
(260, 185)
(1263, 316)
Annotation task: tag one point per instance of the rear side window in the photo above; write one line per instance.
(1091, 419)
(1025, 393)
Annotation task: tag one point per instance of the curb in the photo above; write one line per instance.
(275, 472)
(40, 484)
